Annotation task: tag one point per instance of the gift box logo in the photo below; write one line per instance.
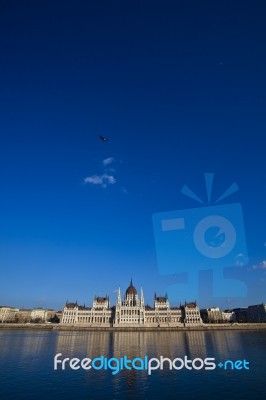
(207, 237)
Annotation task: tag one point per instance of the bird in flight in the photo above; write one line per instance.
(103, 139)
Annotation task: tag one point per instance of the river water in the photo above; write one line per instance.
(27, 365)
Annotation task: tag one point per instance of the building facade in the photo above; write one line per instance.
(8, 314)
(37, 315)
(100, 314)
(132, 312)
(214, 315)
(256, 313)
(42, 315)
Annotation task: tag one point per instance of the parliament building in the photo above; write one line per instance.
(131, 312)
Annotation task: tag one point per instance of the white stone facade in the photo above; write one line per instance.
(41, 314)
(131, 312)
(8, 314)
(192, 314)
(99, 315)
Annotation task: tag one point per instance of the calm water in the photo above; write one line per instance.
(26, 365)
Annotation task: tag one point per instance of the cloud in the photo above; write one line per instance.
(103, 180)
(241, 260)
(261, 265)
(108, 161)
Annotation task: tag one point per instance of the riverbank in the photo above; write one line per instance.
(62, 327)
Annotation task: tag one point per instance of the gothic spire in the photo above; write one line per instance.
(141, 297)
(118, 301)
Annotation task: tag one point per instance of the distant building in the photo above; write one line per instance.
(256, 313)
(42, 315)
(241, 315)
(214, 315)
(23, 316)
(131, 311)
(38, 314)
(8, 314)
(16, 315)
(228, 316)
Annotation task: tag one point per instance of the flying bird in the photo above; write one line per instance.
(103, 139)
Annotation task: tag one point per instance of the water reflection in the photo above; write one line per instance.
(117, 344)
(26, 362)
(138, 344)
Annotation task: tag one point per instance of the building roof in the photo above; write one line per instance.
(191, 305)
(71, 305)
(257, 305)
(11, 308)
(101, 299)
(131, 289)
(147, 307)
(161, 299)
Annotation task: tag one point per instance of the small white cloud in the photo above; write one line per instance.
(261, 265)
(241, 259)
(103, 180)
(108, 161)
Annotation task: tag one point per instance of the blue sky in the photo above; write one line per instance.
(179, 90)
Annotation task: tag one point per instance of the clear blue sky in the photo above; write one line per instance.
(177, 87)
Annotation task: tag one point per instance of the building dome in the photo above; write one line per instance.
(131, 289)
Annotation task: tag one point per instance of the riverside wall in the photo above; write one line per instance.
(75, 328)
